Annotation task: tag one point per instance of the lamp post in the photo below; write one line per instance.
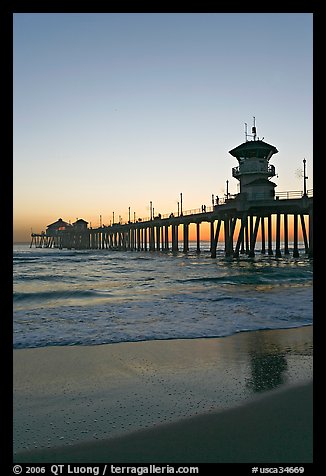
(151, 209)
(181, 203)
(304, 178)
(227, 189)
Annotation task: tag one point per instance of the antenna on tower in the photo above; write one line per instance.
(253, 130)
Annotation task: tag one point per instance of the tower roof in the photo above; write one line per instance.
(80, 221)
(254, 148)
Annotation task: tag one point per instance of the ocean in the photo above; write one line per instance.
(88, 297)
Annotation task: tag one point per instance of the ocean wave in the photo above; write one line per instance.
(56, 294)
(256, 278)
(38, 277)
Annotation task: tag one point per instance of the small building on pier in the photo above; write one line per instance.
(59, 225)
(80, 225)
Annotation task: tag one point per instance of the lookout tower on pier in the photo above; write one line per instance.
(254, 170)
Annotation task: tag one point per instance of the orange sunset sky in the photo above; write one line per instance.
(113, 111)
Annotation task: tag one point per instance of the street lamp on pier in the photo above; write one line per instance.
(304, 178)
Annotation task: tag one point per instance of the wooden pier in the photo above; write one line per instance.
(255, 211)
(240, 221)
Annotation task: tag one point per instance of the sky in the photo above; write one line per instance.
(117, 110)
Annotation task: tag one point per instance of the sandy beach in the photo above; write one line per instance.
(243, 398)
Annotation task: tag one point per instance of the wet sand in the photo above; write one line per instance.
(243, 398)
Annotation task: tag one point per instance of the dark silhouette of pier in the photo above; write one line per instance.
(153, 234)
(242, 217)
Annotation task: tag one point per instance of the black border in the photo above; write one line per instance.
(8, 9)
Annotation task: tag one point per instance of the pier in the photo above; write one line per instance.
(256, 211)
(238, 221)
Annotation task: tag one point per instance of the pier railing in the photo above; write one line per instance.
(193, 211)
(292, 194)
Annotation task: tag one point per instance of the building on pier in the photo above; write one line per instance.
(80, 225)
(59, 225)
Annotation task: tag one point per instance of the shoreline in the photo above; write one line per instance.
(169, 339)
(79, 401)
